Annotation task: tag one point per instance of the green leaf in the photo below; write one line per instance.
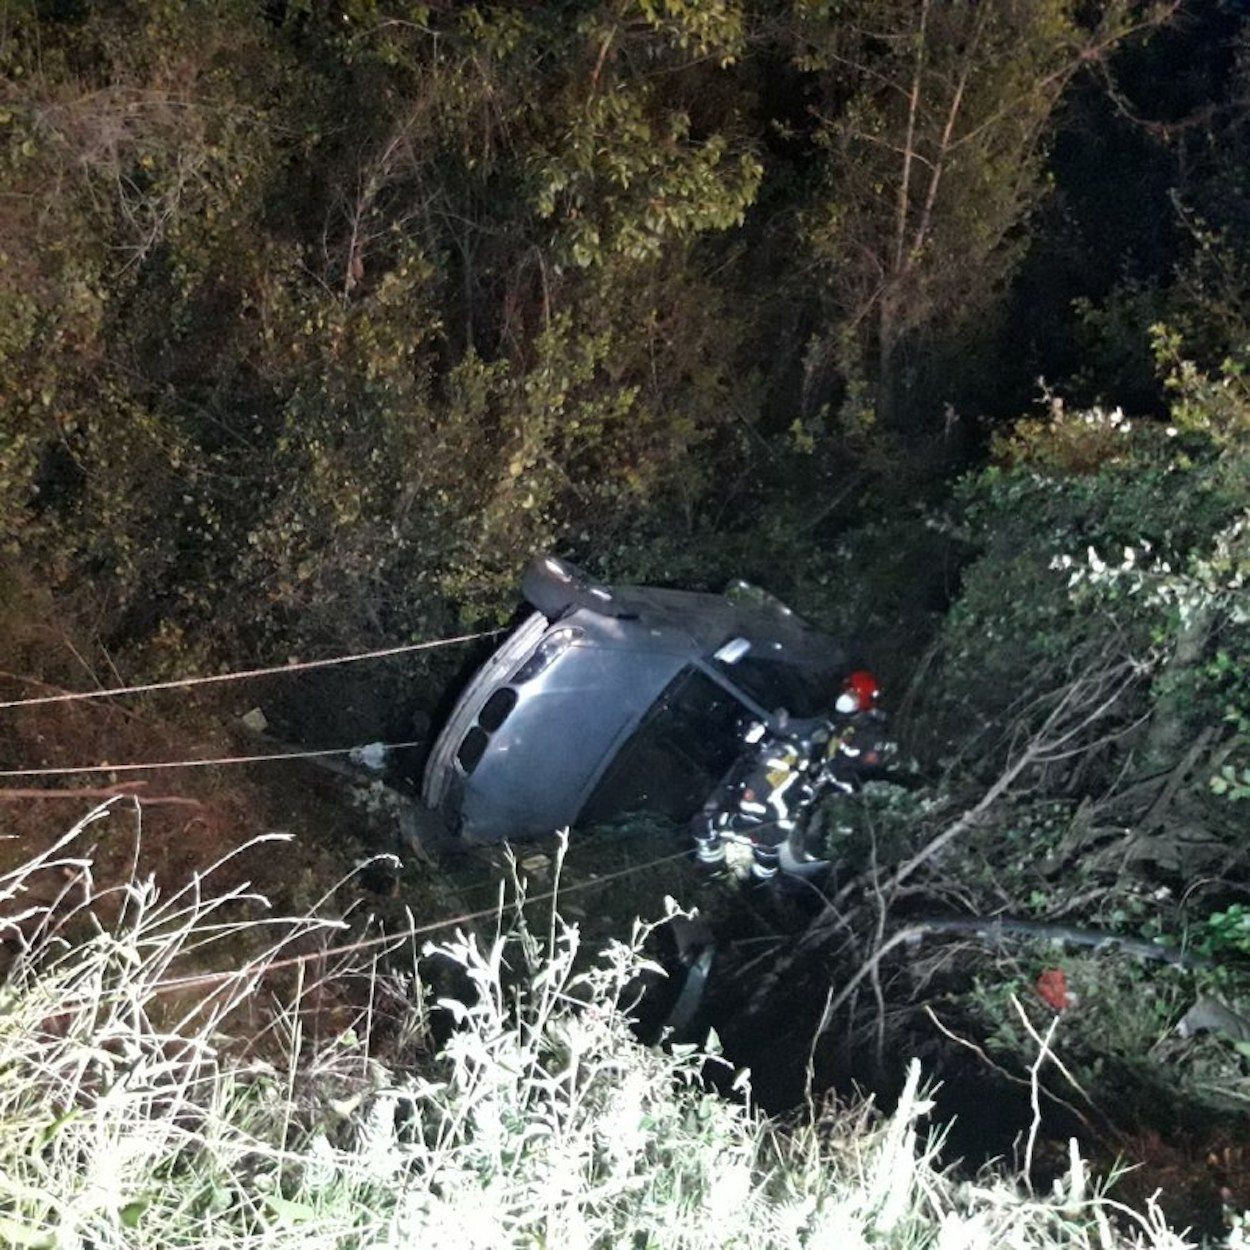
(288, 1211)
(132, 1211)
(50, 1131)
(15, 1233)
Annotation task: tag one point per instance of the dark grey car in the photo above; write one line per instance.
(617, 701)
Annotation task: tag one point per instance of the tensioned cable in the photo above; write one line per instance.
(209, 763)
(178, 683)
(213, 978)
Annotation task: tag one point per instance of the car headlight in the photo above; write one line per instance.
(553, 645)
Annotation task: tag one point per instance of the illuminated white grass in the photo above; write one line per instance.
(130, 1117)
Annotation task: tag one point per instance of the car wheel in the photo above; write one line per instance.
(556, 586)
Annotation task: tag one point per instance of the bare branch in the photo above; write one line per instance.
(952, 115)
(909, 142)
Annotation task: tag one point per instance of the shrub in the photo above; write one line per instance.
(1099, 541)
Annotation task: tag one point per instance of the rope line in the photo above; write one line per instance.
(79, 769)
(180, 683)
(214, 978)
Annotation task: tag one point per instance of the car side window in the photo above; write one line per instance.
(684, 746)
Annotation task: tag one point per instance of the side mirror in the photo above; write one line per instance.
(732, 651)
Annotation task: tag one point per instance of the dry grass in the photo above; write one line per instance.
(217, 1117)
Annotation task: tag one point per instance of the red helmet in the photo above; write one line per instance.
(860, 693)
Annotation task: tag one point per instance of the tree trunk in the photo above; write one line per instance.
(886, 390)
(1168, 730)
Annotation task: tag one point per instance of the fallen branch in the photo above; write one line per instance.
(996, 927)
(1158, 813)
(100, 792)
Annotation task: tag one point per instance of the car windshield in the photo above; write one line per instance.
(775, 683)
(684, 746)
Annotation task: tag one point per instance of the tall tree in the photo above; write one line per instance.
(934, 122)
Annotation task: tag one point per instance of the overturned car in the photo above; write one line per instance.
(610, 702)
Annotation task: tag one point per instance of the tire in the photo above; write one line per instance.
(556, 587)
(421, 831)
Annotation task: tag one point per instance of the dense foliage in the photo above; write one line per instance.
(1082, 728)
(317, 320)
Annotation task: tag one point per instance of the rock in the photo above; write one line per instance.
(255, 721)
(536, 865)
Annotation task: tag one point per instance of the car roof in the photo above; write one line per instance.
(696, 623)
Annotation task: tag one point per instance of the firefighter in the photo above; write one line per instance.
(856, 746)
(761, 800)
(785, 766)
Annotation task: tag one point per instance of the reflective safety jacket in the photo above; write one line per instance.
(765, 792)
(856, 747)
